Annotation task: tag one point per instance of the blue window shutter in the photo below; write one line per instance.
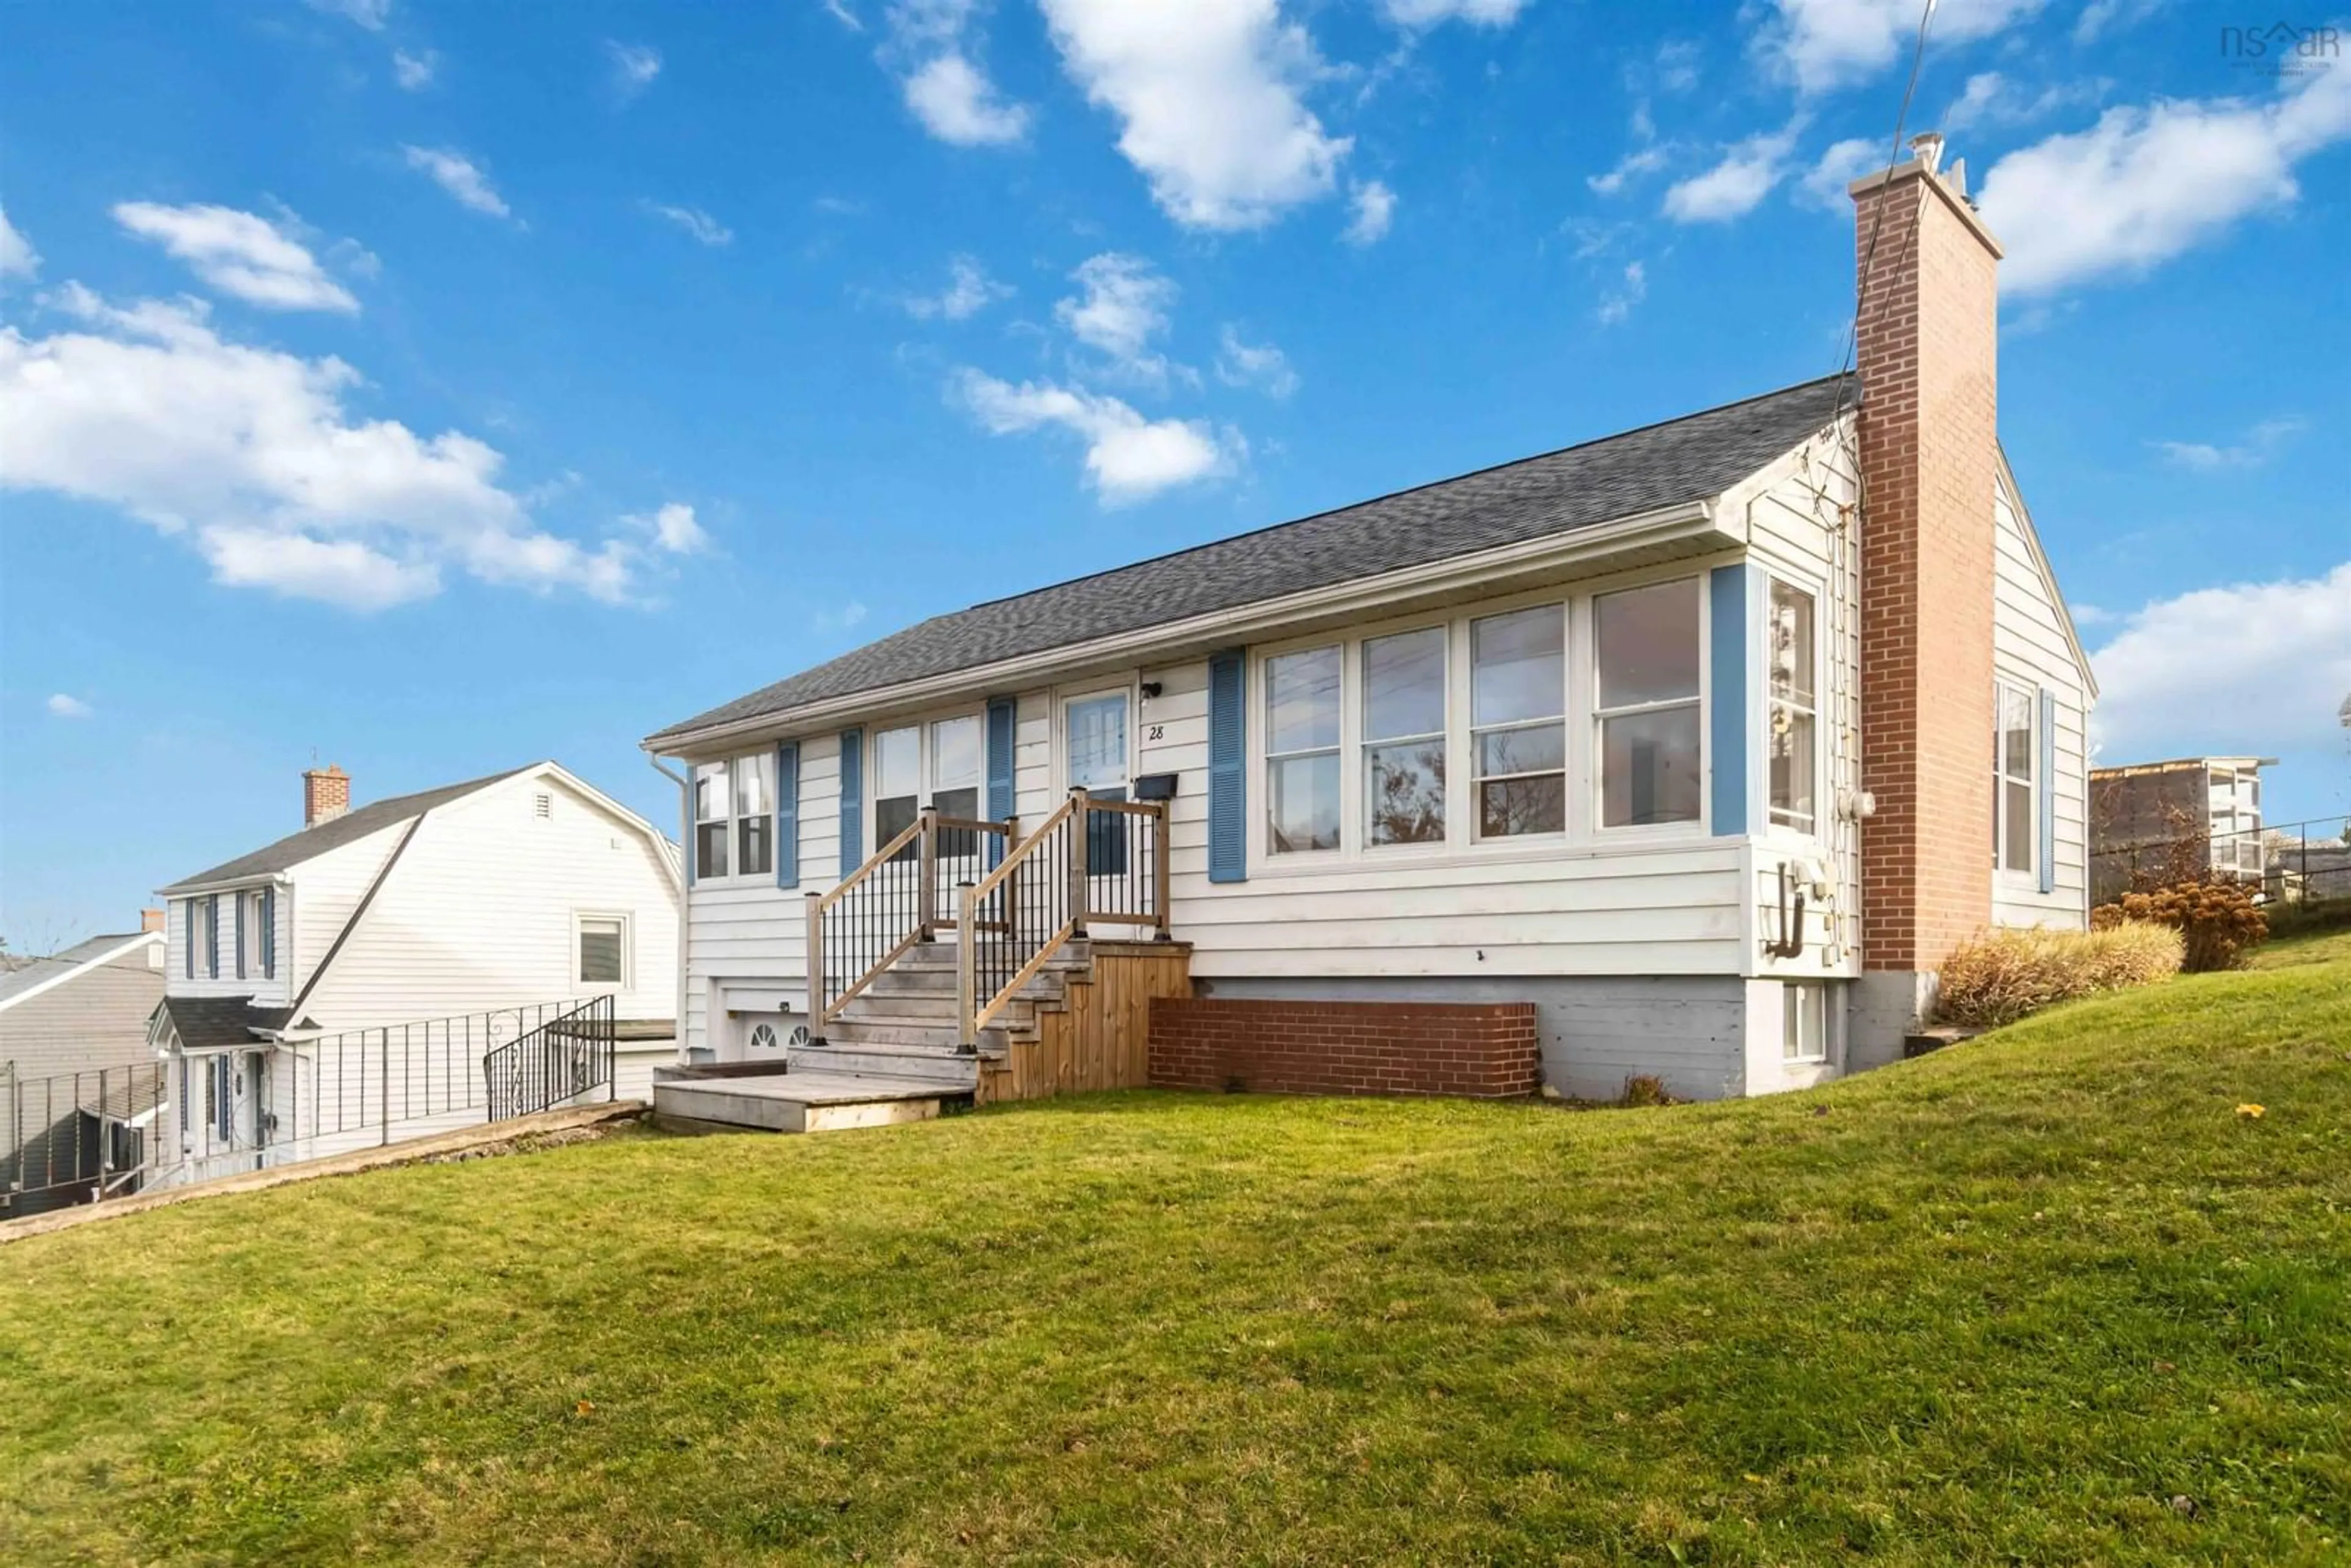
(852, 799)
(1003, 715)
(269, 932)
(2047, 783)
(189, 920)
(241, 902)
(1730, 634)
(1228, 766)
(788, 814)
(212, 937)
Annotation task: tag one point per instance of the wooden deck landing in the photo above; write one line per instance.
(801, 1102)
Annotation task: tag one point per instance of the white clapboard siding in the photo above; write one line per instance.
(480, 912)
(2029, 647)
(341, 875)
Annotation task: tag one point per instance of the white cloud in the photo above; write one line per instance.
(1478, 13)
(1632, 289)
(1374, 206)
(62, 706)
(673, 528)
(2255, 668)
(1209, 95)
(1991, 98)
(1736, 185)
(933, 47)
(239, 253)
(634, 66)
(1122, 306)
(1827, 185)
(1260, 365)
(18, 256)
(956, 102)
(460, 176)
(1128, 457)
(1824, 44)
(2145, 184)
(370, 13)
(1676, 64)
(2101, 17)
(843, 15)
(695, 221)
(415, 70)
(970, 291)
(2261, 444)
(252, 454)
(1639, 161)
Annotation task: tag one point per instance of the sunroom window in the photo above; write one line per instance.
(1645, 642)
(1404, 738)
(1303, 751)
(1518, 695)
(1794, 707)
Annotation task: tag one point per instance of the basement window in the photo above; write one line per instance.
(1804, 1023)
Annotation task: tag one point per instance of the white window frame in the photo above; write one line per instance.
(1348, 741)
(1796, 997)
(1597, 716)
(1464, 637)
(1461, 845)
(869, 765)
(2028, 874)
(253, 907)
(733, 820)
(1772, 821)
(580, 984)
(1359, 651)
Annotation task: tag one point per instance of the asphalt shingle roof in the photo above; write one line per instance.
(203, 1021)
(1682, 460)
(20, 973)
(352, 825)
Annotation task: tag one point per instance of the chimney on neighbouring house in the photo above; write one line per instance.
(326, 794)
(150, 920)
(1926, 346)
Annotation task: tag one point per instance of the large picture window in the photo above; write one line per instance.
(1404, 738)
(1303, 751)
(1517, 715)
(1647, 660)
(2015, 752)
(1795, 708)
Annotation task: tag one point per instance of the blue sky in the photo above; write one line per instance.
(430, 389)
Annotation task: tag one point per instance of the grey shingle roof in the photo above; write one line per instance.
(1685, 459)
(352, 825)
(203, 1021)
(20, 973)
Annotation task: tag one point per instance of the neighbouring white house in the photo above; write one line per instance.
(1705, 742)
(77, 1079)
(350, 983)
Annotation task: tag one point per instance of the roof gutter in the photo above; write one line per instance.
(1689, 520)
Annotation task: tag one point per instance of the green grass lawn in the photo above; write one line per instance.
(2003, 1304)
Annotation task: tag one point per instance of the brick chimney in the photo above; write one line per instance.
(326, 794)
(150, 920)
(1927, 347)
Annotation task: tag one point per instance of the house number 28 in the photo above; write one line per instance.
(1156, 732)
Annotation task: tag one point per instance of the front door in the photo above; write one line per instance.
(1094, 731)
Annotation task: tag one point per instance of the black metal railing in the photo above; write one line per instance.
(906, 893)
(1092, 862)
(565, 1058)
(2292, 862)
(69, 1138)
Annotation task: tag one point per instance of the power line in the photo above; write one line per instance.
(1877, 222)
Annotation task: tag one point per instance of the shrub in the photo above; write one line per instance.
(2217, 921)
(1646, 1089)
(2001, 976)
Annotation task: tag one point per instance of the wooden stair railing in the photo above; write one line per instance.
(1090, 863)
(885, 906)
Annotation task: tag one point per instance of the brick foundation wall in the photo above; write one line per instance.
(1480, 1049)
(1927, 357)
